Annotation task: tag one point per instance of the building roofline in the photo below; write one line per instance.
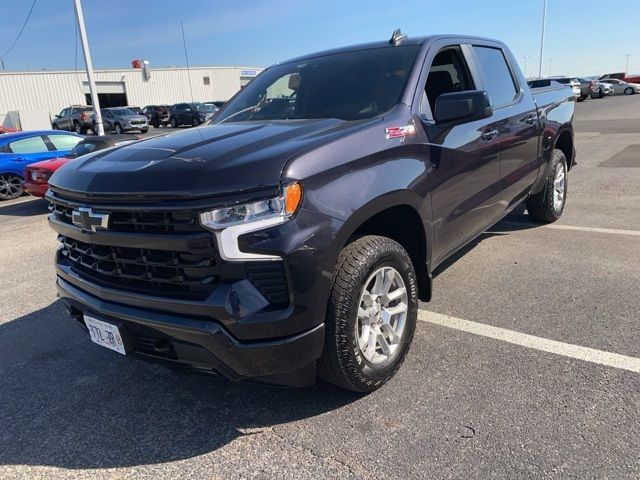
(111, 70)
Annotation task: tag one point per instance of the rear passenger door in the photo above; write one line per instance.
(516, 119)
(464, 156)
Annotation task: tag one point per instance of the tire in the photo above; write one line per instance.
(144, 130)
(78, 128)
(55, 126)
(173, 123)
(117, 129)
(155, 124)
(542, 206)
(629, 91)
(10, 186)
(344, 362)
(194, 122)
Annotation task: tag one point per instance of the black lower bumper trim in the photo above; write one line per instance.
(203, 345)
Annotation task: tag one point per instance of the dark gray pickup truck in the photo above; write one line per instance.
(296, 234)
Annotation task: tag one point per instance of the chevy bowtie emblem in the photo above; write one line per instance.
(86, 219)
(400, 132)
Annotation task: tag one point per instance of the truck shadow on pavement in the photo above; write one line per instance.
(27, 208)
(68, 403)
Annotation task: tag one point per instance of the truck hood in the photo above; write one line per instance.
(200, 162)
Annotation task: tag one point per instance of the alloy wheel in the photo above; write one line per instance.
(382, 315)
(559, 188)
(10, 186)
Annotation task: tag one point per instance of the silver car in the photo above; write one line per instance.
(620, 87)
(120, 120)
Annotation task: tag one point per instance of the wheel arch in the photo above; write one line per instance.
(396, 216)
(565, 143)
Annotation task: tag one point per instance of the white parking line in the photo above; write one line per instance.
(613, 231)
(586, 354)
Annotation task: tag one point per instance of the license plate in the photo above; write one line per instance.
(105, 334)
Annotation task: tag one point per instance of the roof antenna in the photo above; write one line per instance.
(397, 37)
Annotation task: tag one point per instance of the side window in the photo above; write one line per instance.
(497, 78)
(64, 142)
(448, 73)
(64, 113)
(29, 145)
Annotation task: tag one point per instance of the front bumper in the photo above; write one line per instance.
(35, 189)
(200, 345)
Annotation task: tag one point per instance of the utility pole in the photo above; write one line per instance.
(525, 66)
(87, 62)
(626, 70)
(550, 63)
(544, 22)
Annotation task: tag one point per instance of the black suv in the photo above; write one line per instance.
(192, 114)
(299, 231)
(158, 115)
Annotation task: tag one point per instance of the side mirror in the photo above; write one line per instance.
(462, 107)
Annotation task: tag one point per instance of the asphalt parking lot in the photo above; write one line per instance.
(525, 364)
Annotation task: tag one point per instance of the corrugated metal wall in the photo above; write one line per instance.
(52, 91)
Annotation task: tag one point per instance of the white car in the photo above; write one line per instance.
(620, 87)
(602, 89)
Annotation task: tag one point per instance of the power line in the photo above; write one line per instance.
(26, 20)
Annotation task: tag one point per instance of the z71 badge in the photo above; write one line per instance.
(400, 132)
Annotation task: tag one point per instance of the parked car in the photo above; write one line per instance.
(36, 176)
(192, 114)
(120, 120)
(297, 234)
(17, 150)
(622, 76)
(157, 114)
(620, 87)
(76, 118)
(218, 103)
(602, 89)
(587, 88)
(573, 82)
(136, 110)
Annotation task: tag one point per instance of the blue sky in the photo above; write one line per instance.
(585, 37)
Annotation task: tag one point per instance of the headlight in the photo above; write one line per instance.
(229, 223)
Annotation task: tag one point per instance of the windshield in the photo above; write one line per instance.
(82, 148)
(350, 86)
(205, 107)
(123, 112)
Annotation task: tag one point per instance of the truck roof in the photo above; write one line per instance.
(385, 43)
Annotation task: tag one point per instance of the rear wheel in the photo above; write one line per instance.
(194, 122)
(548, 205)
(55, 126)
(371, 315)
(78, 128)
(629, 91)
(144, 130)
(173, 123)
(10, 186)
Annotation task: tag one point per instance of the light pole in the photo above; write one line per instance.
(87, 62)
(544, 21)
(626, 69)
(550, 63)
(525, 65)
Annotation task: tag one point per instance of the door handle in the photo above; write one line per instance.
(530, 119)
(489, 135)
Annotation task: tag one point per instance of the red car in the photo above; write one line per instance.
(36, 175)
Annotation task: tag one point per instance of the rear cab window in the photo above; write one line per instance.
(497, 77)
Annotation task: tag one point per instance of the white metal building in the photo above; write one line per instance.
(48, 92)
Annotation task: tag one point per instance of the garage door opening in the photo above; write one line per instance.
(109, 99)
(110, 94)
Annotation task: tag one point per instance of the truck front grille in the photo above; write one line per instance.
(157, 272)
(178, 221)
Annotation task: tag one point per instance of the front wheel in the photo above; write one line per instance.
(10, 186)
(144, 130)
(173, 123)
(371, 315)
(548, 205)
(118, 129)
(629, 91)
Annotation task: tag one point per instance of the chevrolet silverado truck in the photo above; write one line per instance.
(296, 234)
